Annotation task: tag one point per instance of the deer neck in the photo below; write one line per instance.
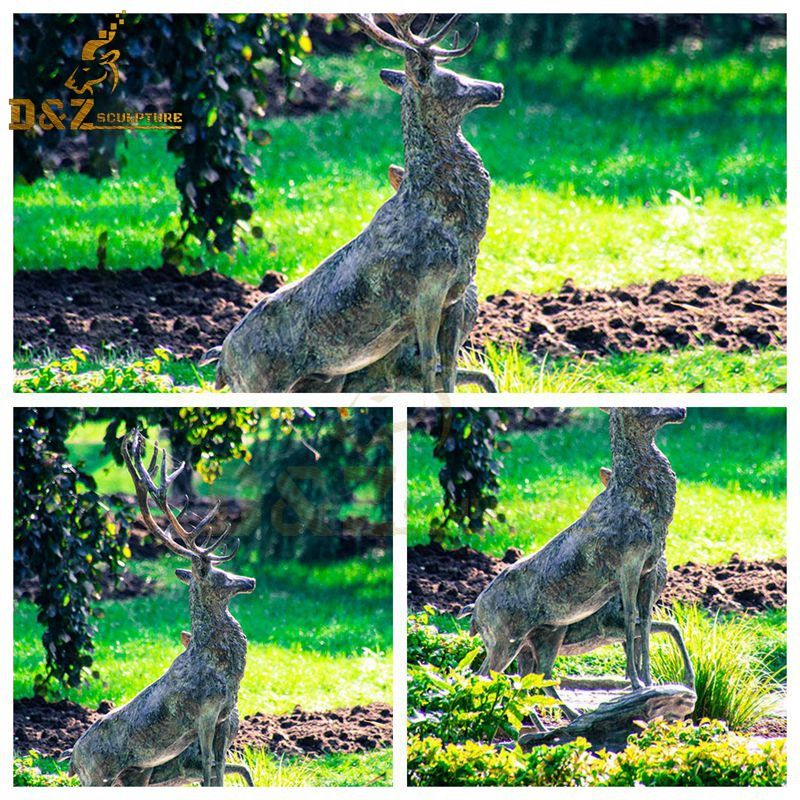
(443, 171)
(642, 473)
(217, 634)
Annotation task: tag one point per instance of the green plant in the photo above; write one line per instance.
(456, 704)
(432, 762)
(682, 754)
(65, 375)
(223, 75)
(730, 679)
(425, 644)
(664, 754)
(66, 540)
(465, 442)
(32, 770)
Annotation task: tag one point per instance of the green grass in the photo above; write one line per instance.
(628, 172)
(643, 169)
(319, 636)
(358, 769)
(731, 467)
(703, 369)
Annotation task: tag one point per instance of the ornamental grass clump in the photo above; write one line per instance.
(731, 680)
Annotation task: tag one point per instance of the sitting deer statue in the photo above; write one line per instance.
(407, 273)
(194, 699)
(187, 768)
(614, 548)
(606, 626)
(400, 371)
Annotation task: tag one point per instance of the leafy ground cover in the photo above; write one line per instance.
(730, 462)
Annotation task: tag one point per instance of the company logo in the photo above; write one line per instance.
(97, 67)
(98, 62)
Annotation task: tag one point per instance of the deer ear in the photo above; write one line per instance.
(394, 79)
(184, 575)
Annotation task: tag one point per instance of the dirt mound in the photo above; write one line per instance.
(688, 312)
(739, 585)
(52, 728)
(49, 728)
(349, 730)
(449, 579)
(128, 309)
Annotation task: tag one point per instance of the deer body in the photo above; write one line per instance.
(613, 549)
(187, 767)
(406, 274)
(194, 699)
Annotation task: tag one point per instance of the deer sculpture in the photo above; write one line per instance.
(606, 626)
(187, 768)
(614, 548)
(400, 371)
(194, 699)
(407, 273)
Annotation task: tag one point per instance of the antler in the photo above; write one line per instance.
(406, 41)
(143, 481)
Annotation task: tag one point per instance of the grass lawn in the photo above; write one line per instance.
(730, 463)
(319, 636)
(628, 172)
(359, 769)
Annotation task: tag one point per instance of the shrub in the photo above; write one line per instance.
(432, 763)
(465, 442)
(425, 644)
(665, 754)
(457, 705)
(681, 754)
(731, 682)
(64, 538)
(28, 772)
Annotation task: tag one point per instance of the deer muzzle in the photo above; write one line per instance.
(487, 93)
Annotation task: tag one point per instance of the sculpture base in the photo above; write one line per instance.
(611, 723)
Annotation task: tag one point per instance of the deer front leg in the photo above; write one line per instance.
(450, 336)
(646, 600)
(629, 590)
(428, 319)
(220, 751)
(206, 729)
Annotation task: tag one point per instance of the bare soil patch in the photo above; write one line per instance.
(348, 730)
(668, 315)
(131, 310)
(449, 579)
(52, 728)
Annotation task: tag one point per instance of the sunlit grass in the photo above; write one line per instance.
(332, 769)
(324, 648)
(621, 173)
(705, 369)
(730, 463)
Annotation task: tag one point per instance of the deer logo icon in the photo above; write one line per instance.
(98, 63)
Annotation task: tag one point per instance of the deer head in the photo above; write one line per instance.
(210, 586)
(442, 97)
(97, 62)
(644, 422)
